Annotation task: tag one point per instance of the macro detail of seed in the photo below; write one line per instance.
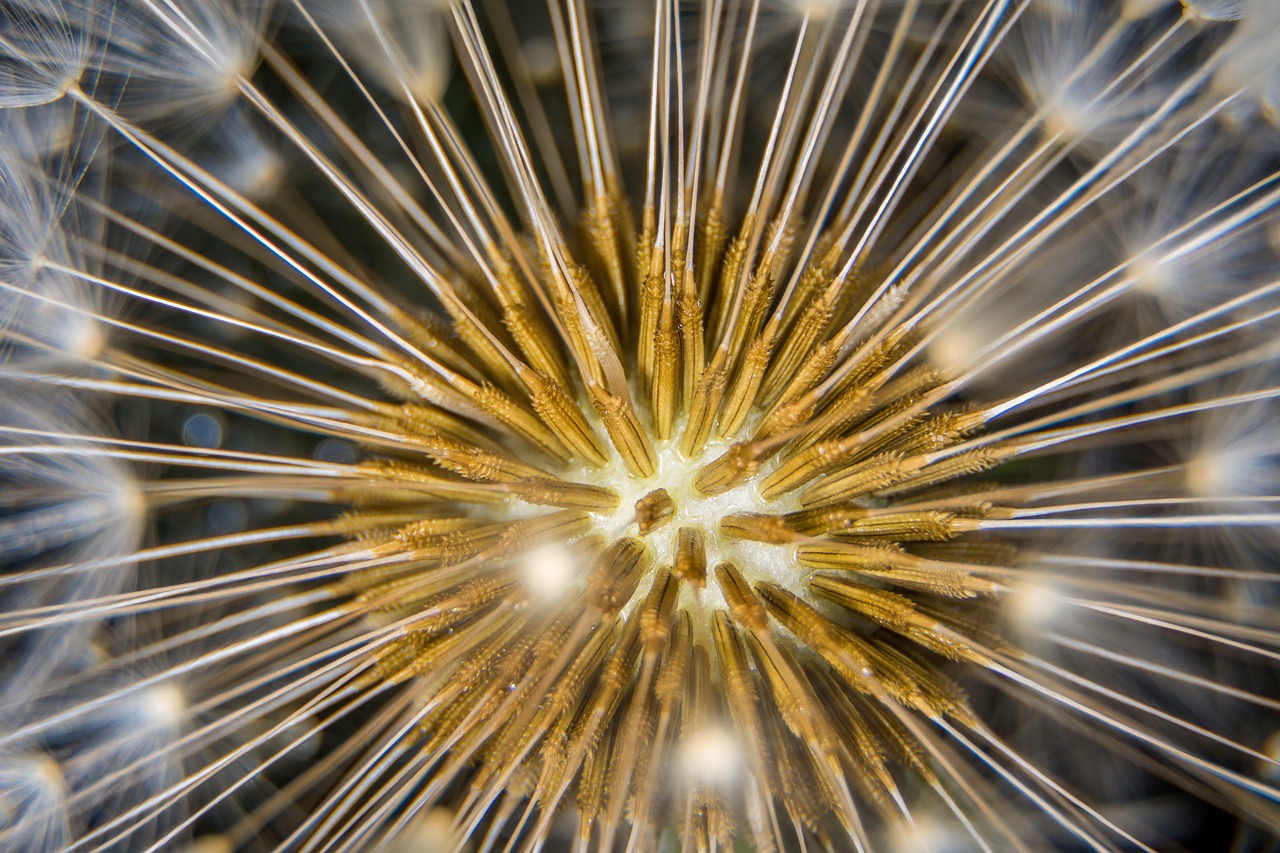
(706, 426)
(654, 510)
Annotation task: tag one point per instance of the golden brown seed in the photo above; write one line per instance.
(583, 285)
(616, 573)
(666, 372)
(897, 613)
(812, 371)
(710, 815)
(784, 420)
(848, 714)
(817, 277)
(938, 432)
(848, 556)
(628, 436)
(600, 226)
(793, 777)
(581, 674)
(471, 333)
(799, 342)
(742, 393)
(947, 579)
(986, 552)
(692, 354)
(670, 684)
(918, 526)
(706, 401)
(364, 523)
(845, 409)
(431, 334)
(731, 469)
(655, 612)
(730, 272)
(818, 632)
(898, 342)
(535, 341)
(745, 608)
(588, 733)
(576, 334)
(960, 465)
(651, 290)
(654, 510)
(420, 420)
(916, 662)
(524, 423)
(758, 527)
(439, 610)
(477, 464)
(418, 481)
(807, 464)
(780, 686)
(691, 556)
(547, 492)
(825, 520)
(873, 475)
(561, 414)
(712, 235)
(754, 300)
(561, 526)
(890, 609)
(914, 384)
(450, 547)
(419, 652)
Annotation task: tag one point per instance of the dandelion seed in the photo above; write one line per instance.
(853, 430)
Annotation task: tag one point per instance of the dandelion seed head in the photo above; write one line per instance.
(854, 429)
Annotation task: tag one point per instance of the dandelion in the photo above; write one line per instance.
(439, 426)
